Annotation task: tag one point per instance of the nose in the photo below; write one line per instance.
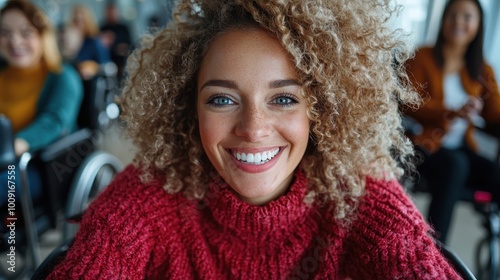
(15, 39)
(253, 124)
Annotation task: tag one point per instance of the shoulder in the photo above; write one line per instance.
(488, 71)
(385, 190)
(386, 208)
(391, 239)
(127, 188)
(67, 72)
(68, 78)
(89, 43)
(422, 55)
(94, 41)
(128, 198)
(424, 50)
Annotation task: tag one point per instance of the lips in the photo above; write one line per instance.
(256, 158)
(17, 53)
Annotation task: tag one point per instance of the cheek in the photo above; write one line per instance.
(213, 129)
(298, 133)
(474, 27)
(36, 46)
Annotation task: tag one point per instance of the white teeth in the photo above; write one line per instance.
(250, 157)
(257, 158)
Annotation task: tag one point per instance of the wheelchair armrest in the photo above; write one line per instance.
(61, 146)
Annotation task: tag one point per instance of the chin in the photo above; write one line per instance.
(20, 64)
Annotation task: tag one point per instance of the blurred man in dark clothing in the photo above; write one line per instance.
(116, 36)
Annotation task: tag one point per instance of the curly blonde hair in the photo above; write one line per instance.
(347, 59)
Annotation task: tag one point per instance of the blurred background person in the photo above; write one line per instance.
(92, 53)
(70, 40)
(459, 91)
(40, 96)
(116, 37)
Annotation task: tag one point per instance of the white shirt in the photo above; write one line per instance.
(455, 98)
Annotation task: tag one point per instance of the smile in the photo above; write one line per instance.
(17, 52)
(256, 158)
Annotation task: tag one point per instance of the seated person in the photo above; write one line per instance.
(40, 96)
(262, 154)
(459, 91)
(70, 40)
(92, 52)
(115, 35)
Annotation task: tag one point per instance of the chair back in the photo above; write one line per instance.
(98, 93)
(7, 152)
(456, 262)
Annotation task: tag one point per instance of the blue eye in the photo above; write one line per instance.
(284, 100)
(220, 101)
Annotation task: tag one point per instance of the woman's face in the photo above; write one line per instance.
(461, 23)
(252, 117)
(20, 43)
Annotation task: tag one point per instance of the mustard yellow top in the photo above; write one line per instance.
(20, 89)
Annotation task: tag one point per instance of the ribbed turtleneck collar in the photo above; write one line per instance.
(283, 213)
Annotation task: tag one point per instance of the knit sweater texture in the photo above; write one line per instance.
(138, 231)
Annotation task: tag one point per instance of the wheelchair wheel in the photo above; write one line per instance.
(95, 173)
(487, 258)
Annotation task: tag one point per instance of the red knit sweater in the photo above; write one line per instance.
(138, 231)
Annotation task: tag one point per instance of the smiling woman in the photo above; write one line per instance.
(266, 132)
(257, 111)
(462, 93)
(39, 95)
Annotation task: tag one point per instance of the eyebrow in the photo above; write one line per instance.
(232, 85)
(220, 83)
(284, 83)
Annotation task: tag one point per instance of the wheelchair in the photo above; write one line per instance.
(487, 250)
(73, 170)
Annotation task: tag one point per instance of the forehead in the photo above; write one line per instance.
(15, 19)
(464, 6)
(248, 50)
